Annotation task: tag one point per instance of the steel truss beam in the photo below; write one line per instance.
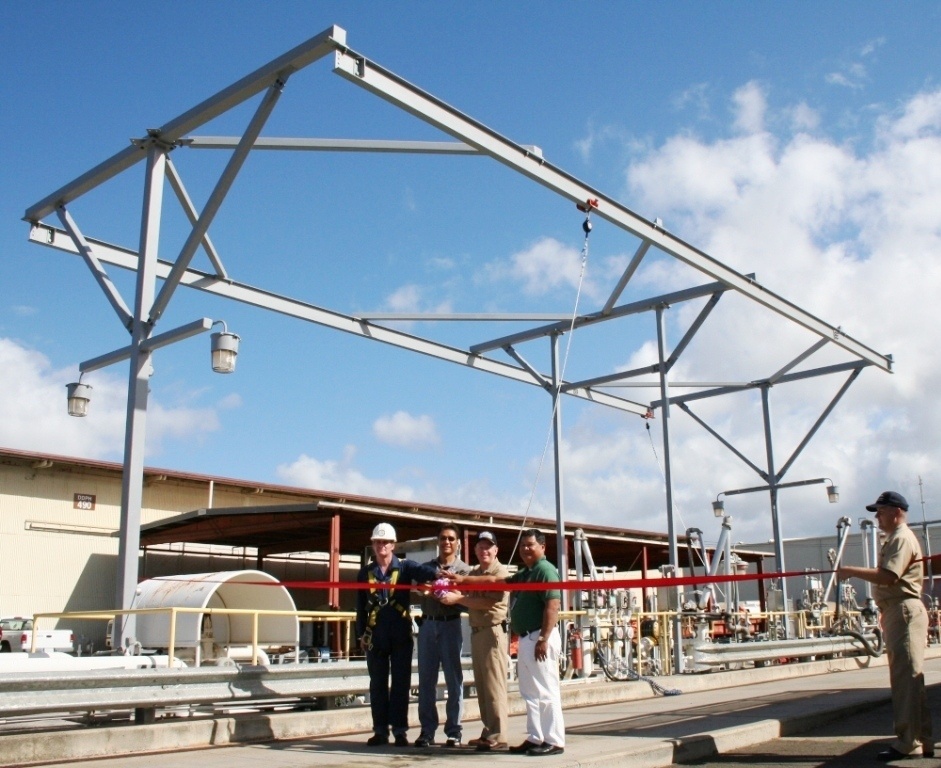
(203, 281)
(250, 85)
(471, 137)
(340, 145)
(369, 75)
(855, 370)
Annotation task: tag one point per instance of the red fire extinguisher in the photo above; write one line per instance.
(575, 647)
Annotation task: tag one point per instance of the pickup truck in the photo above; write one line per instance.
(16, 634)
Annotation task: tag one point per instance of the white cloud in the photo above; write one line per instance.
(596, 136)
(750, 106)
(851, 237)
(405, 430)
(803, 117)
(547, 265)
(872, 46)
(853, 74)
(920, 116)
(33, 412)
(230, 402)
(696, 96)
(340, 475)
(410, 299)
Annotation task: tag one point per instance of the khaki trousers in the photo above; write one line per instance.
(905, 627)
(490, 659)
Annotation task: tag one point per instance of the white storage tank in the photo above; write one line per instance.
(212, 634)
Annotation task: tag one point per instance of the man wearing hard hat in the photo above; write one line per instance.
(384, 629)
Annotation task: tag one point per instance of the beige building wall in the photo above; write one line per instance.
(59, 538)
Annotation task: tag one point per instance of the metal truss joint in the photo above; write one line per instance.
(153, 138)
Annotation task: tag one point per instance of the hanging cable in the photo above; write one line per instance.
(585, 208)
(663, 474)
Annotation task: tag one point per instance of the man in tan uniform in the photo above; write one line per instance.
(898, 582)
(489, 652)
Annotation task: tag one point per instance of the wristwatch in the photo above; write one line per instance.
(540, 639)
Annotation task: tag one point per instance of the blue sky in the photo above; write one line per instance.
(798, 141)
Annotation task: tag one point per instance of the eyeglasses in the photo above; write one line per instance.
(447, 538)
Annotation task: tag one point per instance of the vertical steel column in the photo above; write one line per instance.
(132, 481)
(333, 595)
(868, 539)
(561, 554)
(644, 566)
(668, 480)
(773, 493)
(578, 541)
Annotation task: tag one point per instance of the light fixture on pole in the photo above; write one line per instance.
(833, 492)
(225, 348)
(718, 507)
(79, 395)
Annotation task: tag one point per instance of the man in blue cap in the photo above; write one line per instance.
(898, 582)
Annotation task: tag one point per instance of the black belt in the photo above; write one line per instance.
(442, 618)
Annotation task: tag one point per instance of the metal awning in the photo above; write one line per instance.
(290, 528)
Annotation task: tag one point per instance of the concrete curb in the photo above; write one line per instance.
(702, 746)
(33, 748)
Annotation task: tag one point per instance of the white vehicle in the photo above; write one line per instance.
(16, 634)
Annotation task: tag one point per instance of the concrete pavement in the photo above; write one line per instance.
(716, 714)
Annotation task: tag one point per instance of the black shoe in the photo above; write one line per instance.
(401, 740)
(544, 749)
(424, 741)
(891, 754)
(927, 750)
(522, 749)
(453, 741)
(377, 740)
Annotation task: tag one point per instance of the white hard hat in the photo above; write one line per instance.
(384, 532)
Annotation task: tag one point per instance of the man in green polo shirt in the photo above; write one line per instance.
(534, 616)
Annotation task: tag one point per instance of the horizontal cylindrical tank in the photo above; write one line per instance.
(247, 590)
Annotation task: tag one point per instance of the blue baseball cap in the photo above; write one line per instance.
(889, 499)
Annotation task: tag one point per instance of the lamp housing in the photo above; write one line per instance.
(225, 348)
(718, 508)
(79, 395)
(833, 494)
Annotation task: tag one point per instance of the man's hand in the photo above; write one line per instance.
(450, 598)
(541, 652)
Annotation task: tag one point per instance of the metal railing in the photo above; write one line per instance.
(342, 620)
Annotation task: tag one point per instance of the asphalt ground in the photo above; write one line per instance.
(796, 719)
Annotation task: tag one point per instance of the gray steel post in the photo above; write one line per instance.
(578, 542)
(132, 482)
(556, 453)
(668, 480)
(773, 493)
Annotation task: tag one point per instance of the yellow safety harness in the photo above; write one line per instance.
(377, 603)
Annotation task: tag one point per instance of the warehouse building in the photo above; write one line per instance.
(60, 518)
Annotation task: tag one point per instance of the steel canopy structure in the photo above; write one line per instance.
(158, 278)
